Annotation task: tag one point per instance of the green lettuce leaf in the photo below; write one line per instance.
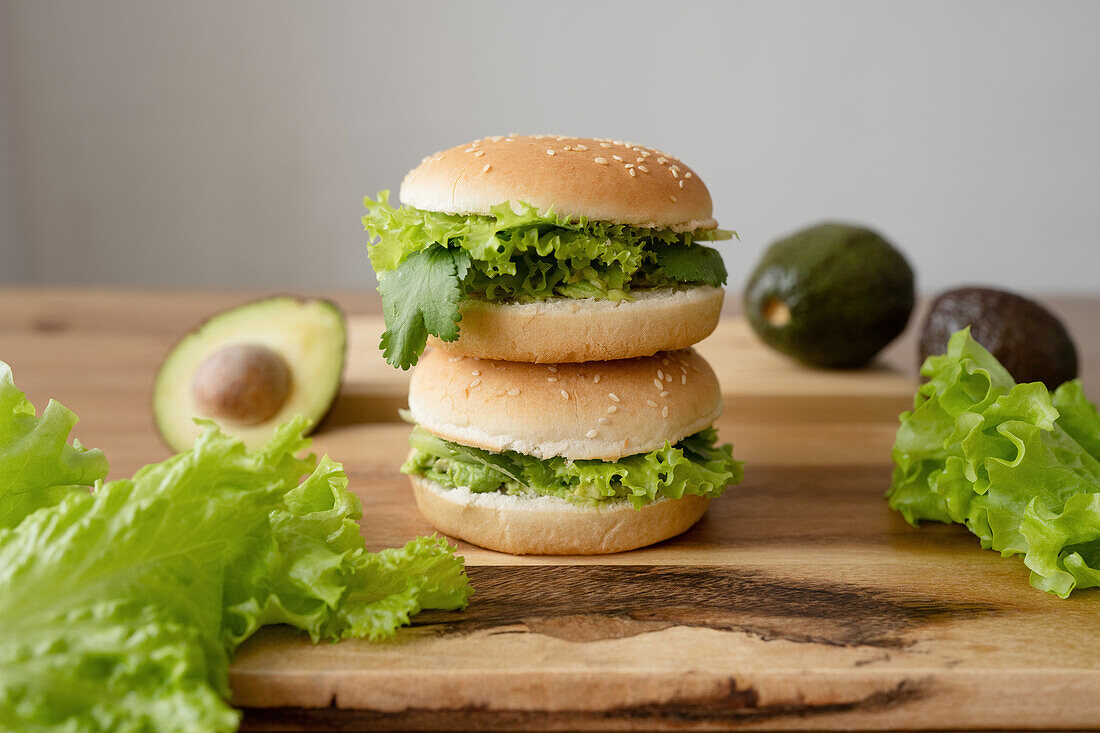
(38, 466)
(1018, 466)
(121, 607)
(427, 262)
(514, 228)
(694, 466)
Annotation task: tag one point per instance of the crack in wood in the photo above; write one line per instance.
(582, 603)
(733, 706)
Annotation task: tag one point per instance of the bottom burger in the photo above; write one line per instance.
(566, 459)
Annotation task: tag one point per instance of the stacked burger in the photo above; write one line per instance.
(563, 281)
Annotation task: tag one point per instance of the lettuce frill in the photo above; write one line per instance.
(1015, 464)
(121, 606)
(694, 466)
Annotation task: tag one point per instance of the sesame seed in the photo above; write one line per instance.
(582, 148)
(668, 377)
(628, 166)
(455, 358)
(469, 150)
(631, 172)
(509, 140)
(596, 379)
(683, 368)
(614, 397)
(617, 157)
(687, 175)
(643, 169)
(604, 421)
(660, 374)
(551, 379)
(651, 403)
(683, 379)
(664, 360)
(665, 393)
(664, 411)
(672, 198)
(661, 160)
(479, 153)
(605, 145)
(681, 182)
(486, 168)
(658, 384)
(551, 367)
(612, 410)
(591, 434)
(568, 147)
(565, 394)
(476, 373)
(672, 170)
(475, 382)
(601, 161)
(514, 391)
(620, 143)
(550, 152)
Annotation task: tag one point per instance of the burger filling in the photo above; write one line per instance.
(694, 466)
(427, 262)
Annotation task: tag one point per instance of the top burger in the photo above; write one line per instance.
(546, 249)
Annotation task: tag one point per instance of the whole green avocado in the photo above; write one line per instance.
(833, 295)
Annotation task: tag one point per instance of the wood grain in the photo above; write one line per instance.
(800, 601)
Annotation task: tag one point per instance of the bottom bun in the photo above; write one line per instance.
(550, 526)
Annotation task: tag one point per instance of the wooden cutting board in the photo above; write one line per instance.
(800, 601)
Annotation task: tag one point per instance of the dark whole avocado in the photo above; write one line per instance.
(833, 295)
(1030, 341)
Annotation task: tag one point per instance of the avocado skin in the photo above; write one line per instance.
(849, 291)
(1030, 341)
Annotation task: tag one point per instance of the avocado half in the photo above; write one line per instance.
(250, 369)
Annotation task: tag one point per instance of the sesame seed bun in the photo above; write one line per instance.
(551, 526)
(602, 410)
(575, 330)
(600, 180)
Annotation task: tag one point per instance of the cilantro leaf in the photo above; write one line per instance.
(691, 264)
(421, 297)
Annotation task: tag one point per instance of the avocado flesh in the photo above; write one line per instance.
(1030, 341)
(309, 335)
(833, 295)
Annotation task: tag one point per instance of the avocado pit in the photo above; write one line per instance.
(241, 383)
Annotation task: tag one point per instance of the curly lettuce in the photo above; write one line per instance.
(38, 466)
(516, 254)
(1018, 466)
(122, 605)
(694, 466)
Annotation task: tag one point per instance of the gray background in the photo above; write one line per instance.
(229, 144)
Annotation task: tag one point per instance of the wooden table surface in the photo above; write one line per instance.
(799, 602)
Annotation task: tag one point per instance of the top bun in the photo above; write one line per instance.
(602, 410)
(593, 178)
